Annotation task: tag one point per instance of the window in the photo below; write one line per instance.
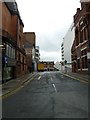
(77, 36)
(7, 50)
(85, 34)
(23, 63)
(18, 57)
(84, 62)
(81, 36)
(78, 63)
(84, 52)
(10, 51)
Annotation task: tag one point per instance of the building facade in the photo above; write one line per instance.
(62, 51)
(47, 65)
(37, 56)
(81, 44)
(9, 33)
(29, 45)
(67, 44)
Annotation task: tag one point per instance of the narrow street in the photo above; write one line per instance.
(49, 95)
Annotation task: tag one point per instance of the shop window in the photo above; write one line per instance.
(14, 53)
(11, 55)
(7, 73)
(7, 49)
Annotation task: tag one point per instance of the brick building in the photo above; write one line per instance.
(29, 45)
(48, 65)
(80, 47)
(11, 30)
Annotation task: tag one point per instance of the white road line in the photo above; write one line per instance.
(39, 78)
(55, 88)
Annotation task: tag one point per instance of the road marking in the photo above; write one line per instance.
(26, 82)
(9, 93)
(55, 88)
(39, 77)
(77, 79)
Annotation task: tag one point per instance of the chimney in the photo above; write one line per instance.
(78, 10)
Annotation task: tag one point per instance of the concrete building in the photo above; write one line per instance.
(57, 66)
(67, 44)
(62, 52)
(29, 45)
(37, 56)
(81, 44)
(11, 24)
(66, 49)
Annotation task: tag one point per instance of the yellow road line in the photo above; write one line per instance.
(9, 93)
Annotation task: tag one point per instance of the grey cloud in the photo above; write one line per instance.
(50, 42)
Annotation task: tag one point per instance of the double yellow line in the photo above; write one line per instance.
(16, 89)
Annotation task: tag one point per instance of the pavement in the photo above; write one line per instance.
(77, 76)
(14, 84)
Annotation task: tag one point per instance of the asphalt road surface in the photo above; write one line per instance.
(49, 95)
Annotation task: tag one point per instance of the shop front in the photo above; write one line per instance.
(8, 69)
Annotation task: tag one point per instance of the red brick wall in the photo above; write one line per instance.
(6, 18)
(14, 26)
(30, 37)
(9, 22)
(0, 15)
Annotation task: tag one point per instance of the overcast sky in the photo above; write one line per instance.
(50, 20)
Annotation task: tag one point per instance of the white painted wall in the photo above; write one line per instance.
(68, 41)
